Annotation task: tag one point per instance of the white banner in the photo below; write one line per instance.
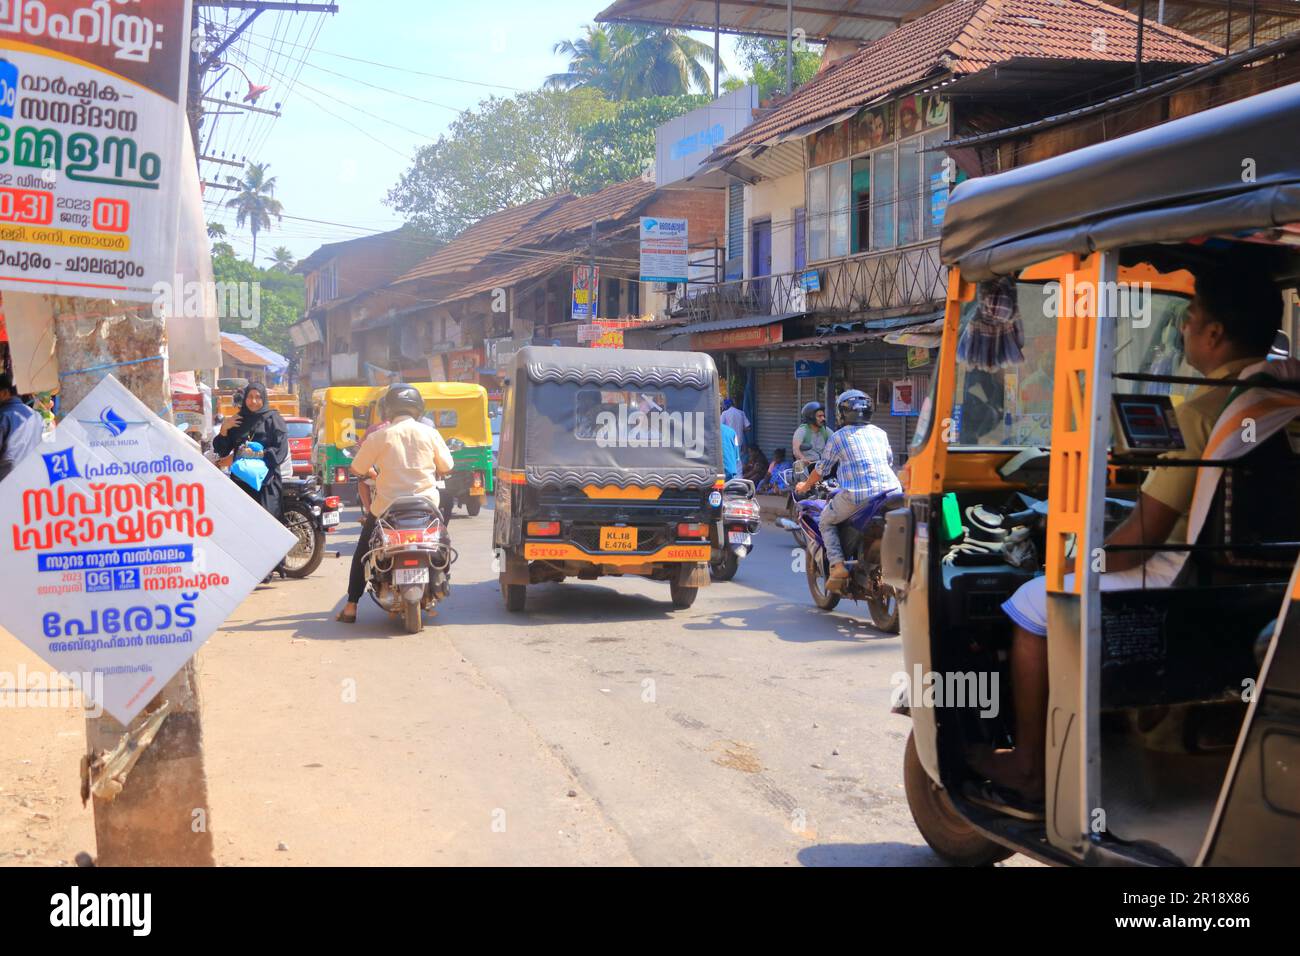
(92, 124)
(663, 250)
(124, 549)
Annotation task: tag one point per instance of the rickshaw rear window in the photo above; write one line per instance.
(444, 417)
(597, 410)
(1012, 406)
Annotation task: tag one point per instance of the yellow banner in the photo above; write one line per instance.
(73, 238)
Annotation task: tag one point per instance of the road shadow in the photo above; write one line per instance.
(572, 602)
(372, 624)
(797, 623)
(869, 854)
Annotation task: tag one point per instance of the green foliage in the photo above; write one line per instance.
(623, 146)
(283, 300)
(626, 62)
(765, 60)
(254, 202)
(507, 152)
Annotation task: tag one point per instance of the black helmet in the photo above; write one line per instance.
(854, 407)
(402, 399)
(809, 412)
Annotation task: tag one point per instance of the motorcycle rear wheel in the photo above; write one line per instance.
(412, 617)
(884, 611)
(305, 556)
(826, 600)
(725, 568)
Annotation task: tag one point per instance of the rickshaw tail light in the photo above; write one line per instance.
(720, 483)
(340, 475)
(477, 487)
(544, 528)
(692, 530)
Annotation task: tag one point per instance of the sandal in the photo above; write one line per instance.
(345, 618)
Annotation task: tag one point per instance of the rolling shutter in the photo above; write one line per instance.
(735, 268)
(777, 409)
(885, 364)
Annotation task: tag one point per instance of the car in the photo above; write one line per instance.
(300, 437)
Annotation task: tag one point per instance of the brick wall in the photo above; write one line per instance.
(706, 210)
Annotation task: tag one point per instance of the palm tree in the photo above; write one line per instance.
(256, 202)
(282, 259)
(626, 62)
(216, 230)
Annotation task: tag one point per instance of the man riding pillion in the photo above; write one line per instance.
(405, 458)
(866, 470)
(811, 437)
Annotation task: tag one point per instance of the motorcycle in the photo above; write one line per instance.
(408, 564)
(860, 537)
(310, 516)
(740, 521)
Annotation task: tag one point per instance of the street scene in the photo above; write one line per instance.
(650, 433)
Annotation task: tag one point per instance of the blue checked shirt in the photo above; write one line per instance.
(866, 462)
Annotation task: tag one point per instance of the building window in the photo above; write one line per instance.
(819, 214)
(861, 186)
(840, 205)
(884, 201)
(800, 239)
(634, 298)
(936, 184)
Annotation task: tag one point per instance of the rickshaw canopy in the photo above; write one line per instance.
(1225, 170)
(458, 410)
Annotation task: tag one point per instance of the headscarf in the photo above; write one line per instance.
(248, 417)
(262, 425)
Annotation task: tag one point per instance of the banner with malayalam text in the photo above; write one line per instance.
(92, 126)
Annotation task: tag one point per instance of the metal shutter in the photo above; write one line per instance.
(867, 372)
(735, 268)
(777, 409)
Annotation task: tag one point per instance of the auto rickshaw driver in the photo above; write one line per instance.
(1231, 323)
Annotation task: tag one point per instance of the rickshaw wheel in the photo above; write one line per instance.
(514, 595)
(683, 597)
(473, 506)
(940, 824)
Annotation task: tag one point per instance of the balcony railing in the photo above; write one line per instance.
(856, 287)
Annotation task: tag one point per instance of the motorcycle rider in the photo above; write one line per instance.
(811, 436)
(866, 469)
(404, 458)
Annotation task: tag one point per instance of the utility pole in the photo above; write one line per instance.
(789, 47)
(161, 816)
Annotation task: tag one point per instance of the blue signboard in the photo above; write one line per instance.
(811, 281)
(807, 368)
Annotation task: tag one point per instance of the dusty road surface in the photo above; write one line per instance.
(599, 727)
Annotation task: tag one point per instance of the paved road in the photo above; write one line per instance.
(750, 729)
(600, 727)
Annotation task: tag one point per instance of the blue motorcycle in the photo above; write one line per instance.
(860, 536)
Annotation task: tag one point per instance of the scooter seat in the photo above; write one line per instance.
(410, 503)
(739, 486)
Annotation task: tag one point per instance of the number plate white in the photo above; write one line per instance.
(403, 576)
(738, 537)
(329, 519)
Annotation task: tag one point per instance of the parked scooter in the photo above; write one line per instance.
(861, 537)
(740, 521)
(408, 566)
(310, 516)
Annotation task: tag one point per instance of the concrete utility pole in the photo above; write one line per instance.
(160, 817)
(789, 47)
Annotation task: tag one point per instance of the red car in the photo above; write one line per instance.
(300, 438)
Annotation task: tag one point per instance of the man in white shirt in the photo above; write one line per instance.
(735, 419)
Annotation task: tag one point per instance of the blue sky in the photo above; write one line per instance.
(340, 143)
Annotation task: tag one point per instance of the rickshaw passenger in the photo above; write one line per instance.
(1231, 323)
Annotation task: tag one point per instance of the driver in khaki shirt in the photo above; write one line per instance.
(405, 457)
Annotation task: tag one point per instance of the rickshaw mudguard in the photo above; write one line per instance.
(1256, 821)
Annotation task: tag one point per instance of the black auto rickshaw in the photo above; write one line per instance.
(610, 465)
(1172, 730)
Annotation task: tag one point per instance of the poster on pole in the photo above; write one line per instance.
(585, 281)
(92, 127)
(124, 549)
(663, 250)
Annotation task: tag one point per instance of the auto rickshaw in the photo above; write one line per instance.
(1172, 729)
(459, 410)
(610, 464)
(341, 415)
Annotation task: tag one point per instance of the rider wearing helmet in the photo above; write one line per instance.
(866, 470)
(406, 457)
(811, 436)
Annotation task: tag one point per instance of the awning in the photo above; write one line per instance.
(744, 322)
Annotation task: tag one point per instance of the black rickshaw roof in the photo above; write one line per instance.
(625, 368)
(1225, 170)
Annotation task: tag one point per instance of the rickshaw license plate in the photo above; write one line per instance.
(329, 519)
(410, 576)
(618, 539)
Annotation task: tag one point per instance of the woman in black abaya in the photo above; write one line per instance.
(257, 421)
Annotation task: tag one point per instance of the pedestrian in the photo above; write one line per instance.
(735, 419)
(20, 427)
